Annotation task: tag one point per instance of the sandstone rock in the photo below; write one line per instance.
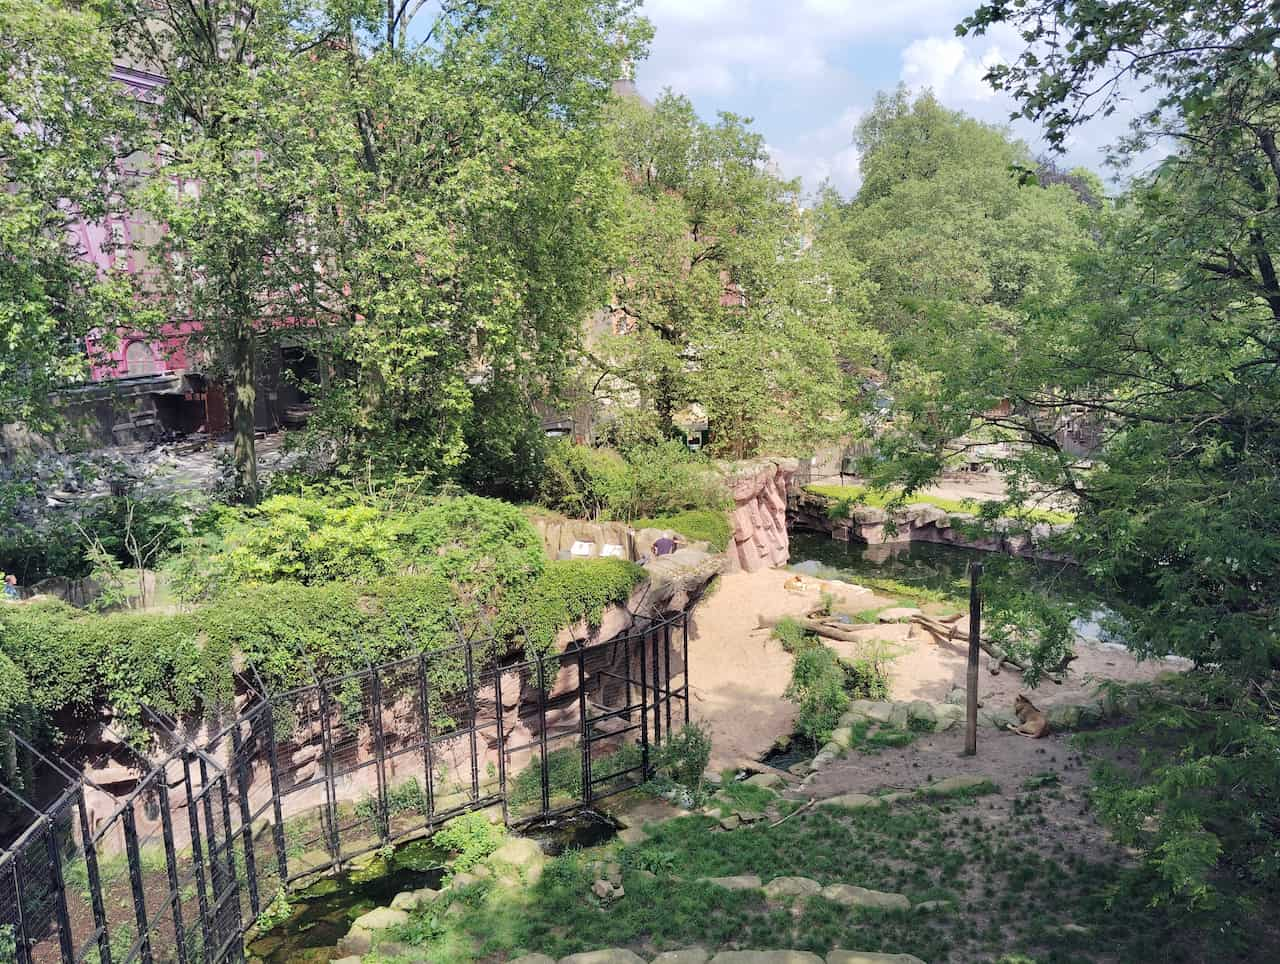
(731, 822)
(852, 801)
(425, 895)
(406, 901)
(843, 737)
(958, 697)
(610, 955)
(867, 957)
(923, 713)
(1064, 716)
(947, 715)
(879, 711)
(633, 835)
(519, 852)
(896, 797)
(353, 959)
(380, 918)
(766, 957)
(792, 887)
(606, 890)
(740, 882)
(801, 769)
(357, 942)
(533, 959)
(853, 896)
(996, 719)
(958, 784)
(933, 906)
(768, 781)
(690, 955)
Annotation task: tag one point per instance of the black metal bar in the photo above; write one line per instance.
(971, 670)
(380, 753)
(273, 764)
(171, 867)
(644, 714)
(232, 881)
(424, 697)
(22, 942)
(197, 853)
(542, 731)
(626, 662)
(246, 821)
(499, 707)
(657, 695)
(60, 893)
(95, 883)
(584, 723)
(330, 794)
(684, 623)
(471, 707)
(135, 882)
(666, 659)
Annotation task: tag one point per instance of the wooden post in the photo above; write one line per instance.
(975, 648)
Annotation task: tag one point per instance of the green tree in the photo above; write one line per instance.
(720, 302)
(230, 179)
(66, 130)
(461, 220)
(1169, 347)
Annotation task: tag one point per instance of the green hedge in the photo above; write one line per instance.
(711, 525)
(846, 498)
(567, 590)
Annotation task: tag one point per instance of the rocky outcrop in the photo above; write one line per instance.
(759, 491)
(922, 522)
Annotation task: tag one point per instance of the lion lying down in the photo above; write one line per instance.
(1031, 722)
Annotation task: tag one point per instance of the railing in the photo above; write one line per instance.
(303, 782)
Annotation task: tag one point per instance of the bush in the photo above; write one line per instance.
(564, 779)
(567, 590)
(585, 482)
(709, 525)
(669, 479)
(817, 687)
(684, 758)
(792, 635)
(472, 837)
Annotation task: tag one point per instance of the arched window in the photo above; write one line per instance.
(139, 359)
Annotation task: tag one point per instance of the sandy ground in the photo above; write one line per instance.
(738, 672)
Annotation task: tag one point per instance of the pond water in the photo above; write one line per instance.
(933, 567)
(323, 912)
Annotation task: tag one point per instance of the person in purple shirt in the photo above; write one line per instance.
(665, 545)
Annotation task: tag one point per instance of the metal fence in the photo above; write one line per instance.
(303, 782)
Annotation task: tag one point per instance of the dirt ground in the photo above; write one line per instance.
(738, 672)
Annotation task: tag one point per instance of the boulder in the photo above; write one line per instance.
(792, 887)
(878, 711)
(731, 822)
(766, 957)
(406, 901)
(947, 715)
(866, 957)
(740, 882)
(533, 959)
(633, 835)
(843, 737)
(922, 712)
(690, 955)
(354, 959)
(610, 955)
(852, 896)
(358, 941)
(853, 801)
(519, 852)
(380, 918)
(768, 781)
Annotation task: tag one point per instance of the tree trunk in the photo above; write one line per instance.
(244, 448)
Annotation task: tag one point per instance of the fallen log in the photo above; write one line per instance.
(998, 655)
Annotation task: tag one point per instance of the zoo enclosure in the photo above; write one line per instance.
(305, 781)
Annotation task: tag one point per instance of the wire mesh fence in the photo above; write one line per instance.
(303, 782)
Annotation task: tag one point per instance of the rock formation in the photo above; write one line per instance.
(759, 490)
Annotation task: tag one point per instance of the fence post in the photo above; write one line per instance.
(330, 795)
(197, 854)
(424, 698)
(666, 660)
(95, 882)
(975, 644)
(584, 725)
(684, 623)
(542, 732)
(246, 820)
(380, 754)
(502, 742)
(171, 866)
(644, 713)
(20, 939)
(273, 764)
(135, 882)
(657, 695)
(60, 895)
(471, 708)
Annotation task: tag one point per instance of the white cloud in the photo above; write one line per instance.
(946, 66)
(826, 154)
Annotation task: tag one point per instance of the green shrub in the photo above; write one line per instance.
(567, 590)
(668, 480)
(684, 758)
(817, 687)
(472, 837)
(792, 635)
(585, 482)
(564, 779)
(710, 525)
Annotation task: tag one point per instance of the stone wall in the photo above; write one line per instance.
(759, 491)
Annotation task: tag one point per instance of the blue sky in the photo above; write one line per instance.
(807, 69)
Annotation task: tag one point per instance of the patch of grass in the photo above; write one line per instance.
(739, 795)
(697, 525)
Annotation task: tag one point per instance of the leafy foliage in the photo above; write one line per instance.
(471, 837)
(585, 482)
(817, 687)
(709, 525)
(568, 590)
